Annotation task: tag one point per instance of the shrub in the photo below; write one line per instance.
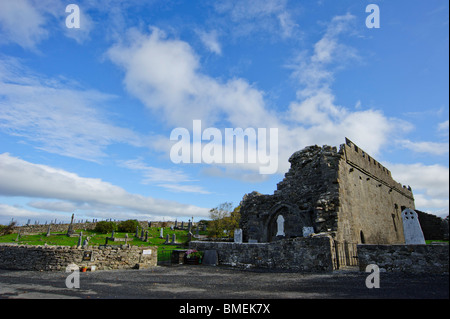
(105, 227)
(6, 230)
(128, 226)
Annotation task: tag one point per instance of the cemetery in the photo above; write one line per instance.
(86, 244)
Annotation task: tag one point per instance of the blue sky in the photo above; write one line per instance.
(86, 113)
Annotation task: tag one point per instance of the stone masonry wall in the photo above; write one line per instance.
(405, 258)
(299, 254)
(371, 202)
(51, 258)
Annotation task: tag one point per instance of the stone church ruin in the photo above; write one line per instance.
(346, 194)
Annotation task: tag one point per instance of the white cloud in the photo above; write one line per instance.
(165, 75)
(443, 126)
(22, 23)
(430, 184)
(210, 40)
(94, 196)
(167, 178)
(433, 148)
(50, 112)
(251, 16)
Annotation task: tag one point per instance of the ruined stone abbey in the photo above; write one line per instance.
(346, 194)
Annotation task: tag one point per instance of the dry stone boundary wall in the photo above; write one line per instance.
(54, 258)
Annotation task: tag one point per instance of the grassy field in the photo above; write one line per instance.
(60, 239)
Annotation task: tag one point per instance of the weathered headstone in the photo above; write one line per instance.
(79, 240)
(173, 238)
(411, 228)
(308, 231)
(48, 231)
(70, 229)
(167, 240)
(210, 258)
(280, 226)
(146, 236)
(161, 233)
(238, 235)
(137, 231)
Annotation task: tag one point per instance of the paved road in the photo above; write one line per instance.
(200, 282)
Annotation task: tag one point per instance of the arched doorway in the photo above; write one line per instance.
(286, 221)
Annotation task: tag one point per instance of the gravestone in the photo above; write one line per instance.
(70, 229)
(238, 235)
(280, 226)
(167, 240)
(411, 228)
(79, 240)
(137, 232)
(173, 238)
(210, 258)
(308, 231)
(161, 233)
(48, 231)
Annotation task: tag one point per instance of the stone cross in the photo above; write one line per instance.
(411, 228)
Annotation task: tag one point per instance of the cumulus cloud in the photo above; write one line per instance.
(94, 196)
(430, 184)
(165, 75)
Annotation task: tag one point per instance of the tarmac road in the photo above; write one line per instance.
(207, 282)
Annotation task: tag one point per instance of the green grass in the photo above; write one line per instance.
(435, 241)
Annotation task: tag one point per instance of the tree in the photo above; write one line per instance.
(223, 220)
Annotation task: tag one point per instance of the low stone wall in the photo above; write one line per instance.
(54, 228)
(50, 258)
(405, 258)
(298, 254)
